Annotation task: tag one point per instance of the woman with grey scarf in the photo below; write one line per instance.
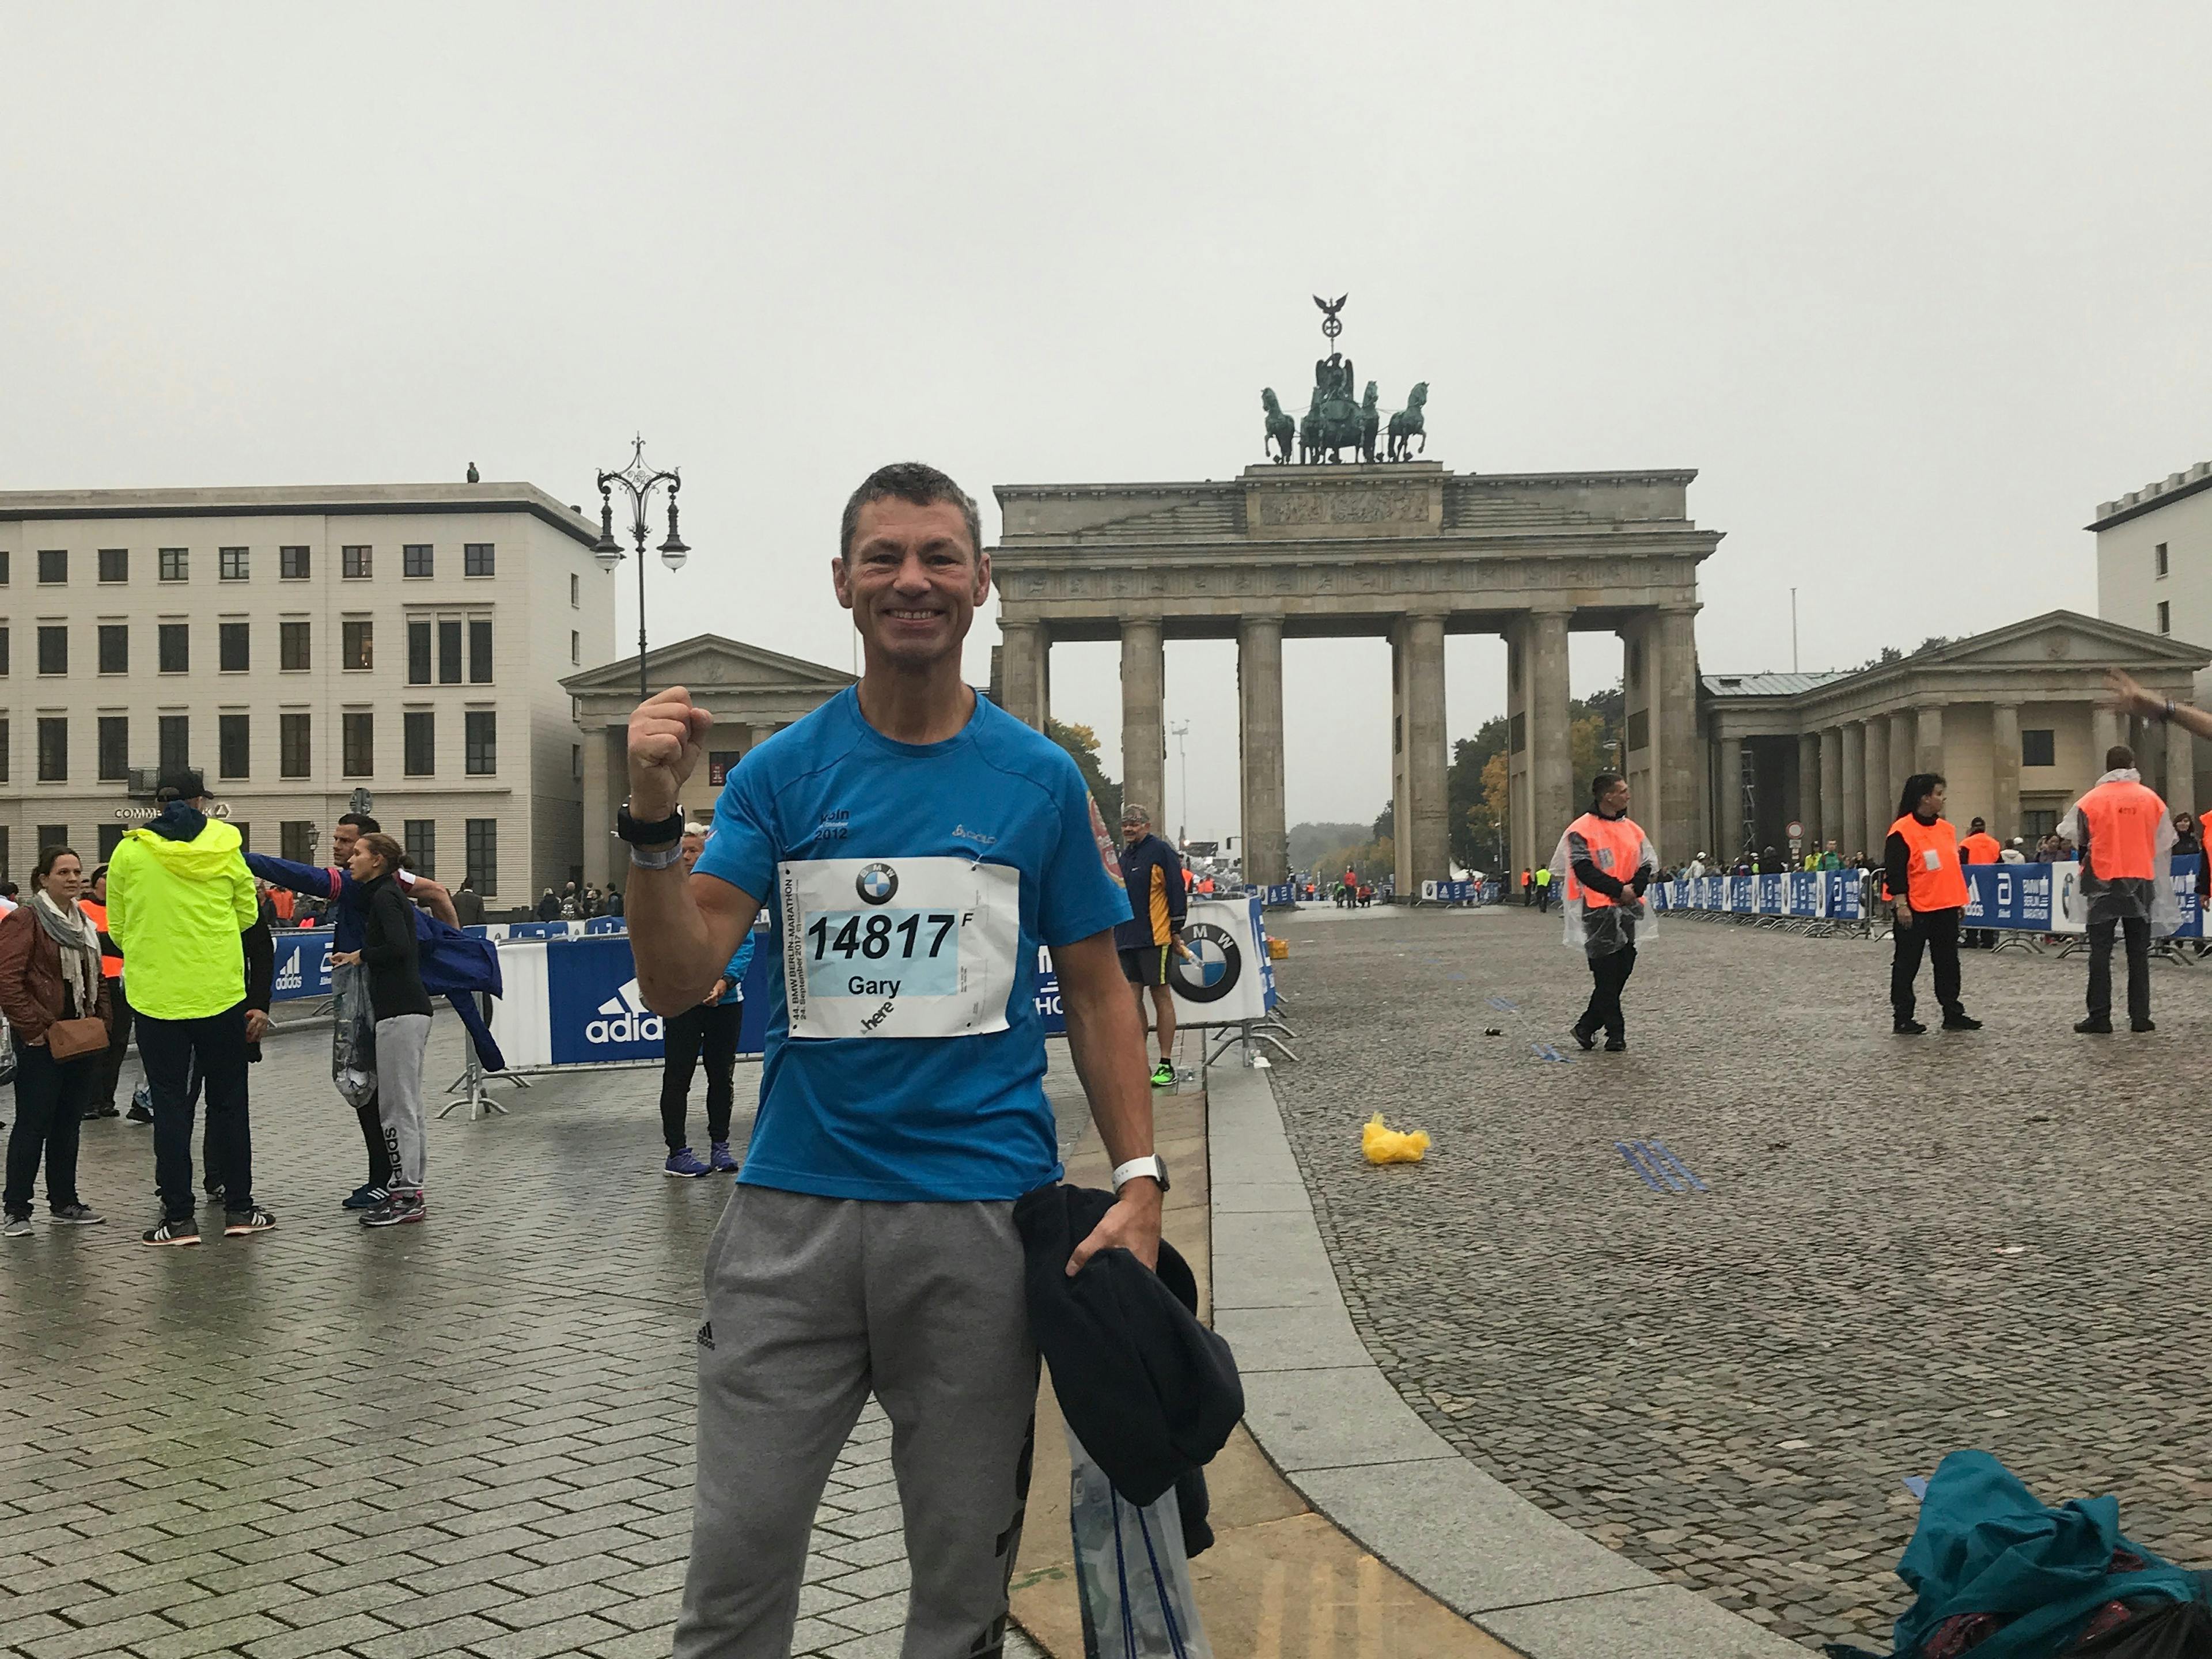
(49, 971)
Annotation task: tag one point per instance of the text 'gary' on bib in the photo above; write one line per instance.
(920, 947)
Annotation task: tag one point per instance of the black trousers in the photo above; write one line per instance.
(1608, 972)
(118, 1039)
(711, 1029)
(168, 1049)
(1938, 933)
(2100, 968)
(49, 1099)
(371, 1116)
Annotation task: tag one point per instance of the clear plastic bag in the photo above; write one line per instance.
(353, 1034)
(1131, 1573)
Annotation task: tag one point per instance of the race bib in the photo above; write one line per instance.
(1931, 859)
(922, 947)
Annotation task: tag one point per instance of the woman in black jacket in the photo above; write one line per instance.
(393, 956)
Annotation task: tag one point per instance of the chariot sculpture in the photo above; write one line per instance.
(1334, 423)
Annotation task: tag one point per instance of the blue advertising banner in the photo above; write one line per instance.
(2010, 895)
(2187, 870)
(1285, 894)
(1740, 899)
(1767, 890)
(1048, 995)
(1843, 894)
(1804, 893)
(303, 963)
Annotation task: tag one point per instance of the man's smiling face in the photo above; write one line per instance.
(912, 579)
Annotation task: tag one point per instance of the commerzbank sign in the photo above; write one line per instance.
(145, 814)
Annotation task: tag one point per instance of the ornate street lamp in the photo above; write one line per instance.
(638, 481)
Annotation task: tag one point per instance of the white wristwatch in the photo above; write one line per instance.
(1148, 1165)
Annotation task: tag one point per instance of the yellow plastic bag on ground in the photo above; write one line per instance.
(1387, 1145)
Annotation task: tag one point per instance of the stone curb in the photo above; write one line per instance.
(1331, 1422)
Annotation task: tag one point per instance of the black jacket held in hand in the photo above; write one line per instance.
(1149, 1391)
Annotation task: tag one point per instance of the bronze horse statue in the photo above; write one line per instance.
(1281, 430)
(1406, 425)
(1334, 424)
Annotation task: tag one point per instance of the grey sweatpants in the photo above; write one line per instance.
(400, 1042)
(812, 1302)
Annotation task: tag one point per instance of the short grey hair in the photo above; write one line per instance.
(914, 481)
(1131, 813)
(699, 829)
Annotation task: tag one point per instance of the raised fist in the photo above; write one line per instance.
(667, 734)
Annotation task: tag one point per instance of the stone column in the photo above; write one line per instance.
(1021, 670)
(1832, 790)
(1550, 765)
(1675, 732)
(1144, 719)
(598, 812)
(1427, 836)
(2004, 770)
(1808, 789)
(1928, 749)
(1260, 699)
(1903, 753)
(2106, 727)
(1880, 798)
(1850, 818)
(2181, 768)
(1728, 789)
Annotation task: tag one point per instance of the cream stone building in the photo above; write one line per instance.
(296, 644)
(2012, 718)
(2155, 569)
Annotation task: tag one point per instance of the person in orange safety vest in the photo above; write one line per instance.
(2125, 842)
(1928, 890)
(1608, 861)
(1979, 846)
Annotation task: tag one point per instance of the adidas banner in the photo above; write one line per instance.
(575, 1001)
(303, 964)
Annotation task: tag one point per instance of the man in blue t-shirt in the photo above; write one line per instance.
(916, 850)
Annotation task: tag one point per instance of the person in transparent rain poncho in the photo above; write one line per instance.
(2124, 838)
(1608, 861)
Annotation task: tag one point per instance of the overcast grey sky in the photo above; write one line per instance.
(1914, 287)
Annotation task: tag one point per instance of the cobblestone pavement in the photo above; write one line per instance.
(1995, 1239)
(472, 1436)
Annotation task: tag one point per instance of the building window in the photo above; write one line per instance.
(173, 647)
(115, 647)
(292, 648)
(53, 748)
(230, 564)
(54, 567)
(449, 652)
(295, 840)
(3, 582)
(4, 778)
(482, 741)
(114, 748)
(419, 837)
(418, 731)
(4, 648)
(483, 855)
(356, 645)
(2164, 617)
(176, 742)
(2158, 558)
(234, 646)
(115, 564)
(244, 834)
(354, 563)
(416, 559)
(418, 653)
(292, 564)
(110, 837)
(480, 651)
(2038, 748)
(296, 749)
(176, 564)
(576, 761)
(575, 592)
(575, 645)
(52, 834)
(53, 648)
(476, 559)
(360, 744)
(233, 746)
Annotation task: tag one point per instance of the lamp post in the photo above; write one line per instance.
(638, 481)
(1182, 826)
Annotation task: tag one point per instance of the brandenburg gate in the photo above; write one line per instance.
(1404, 550)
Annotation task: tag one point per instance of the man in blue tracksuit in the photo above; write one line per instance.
(349, 918)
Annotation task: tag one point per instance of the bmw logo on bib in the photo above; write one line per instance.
(877, 885)
(1216, 961)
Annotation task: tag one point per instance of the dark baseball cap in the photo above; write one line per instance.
(186, 785)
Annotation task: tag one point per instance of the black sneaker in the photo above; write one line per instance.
(138, 1114)
(1588, 1039)
(214, 1189)
(236, 1224)
(1908, 1028)
(15, 1226)
(2142, 1025)
(80, 1215)
(1616, 1045)
(2093, 1027)
(365, 1197)
(186, 1231)
(395, 1211)
(1960, 1020)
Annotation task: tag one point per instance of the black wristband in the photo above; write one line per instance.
(659, 833)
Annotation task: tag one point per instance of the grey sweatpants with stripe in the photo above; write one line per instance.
(812, 1304)
(400, 1042)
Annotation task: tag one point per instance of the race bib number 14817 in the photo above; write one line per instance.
(898, 948)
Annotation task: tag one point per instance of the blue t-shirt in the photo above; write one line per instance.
(906, 885)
